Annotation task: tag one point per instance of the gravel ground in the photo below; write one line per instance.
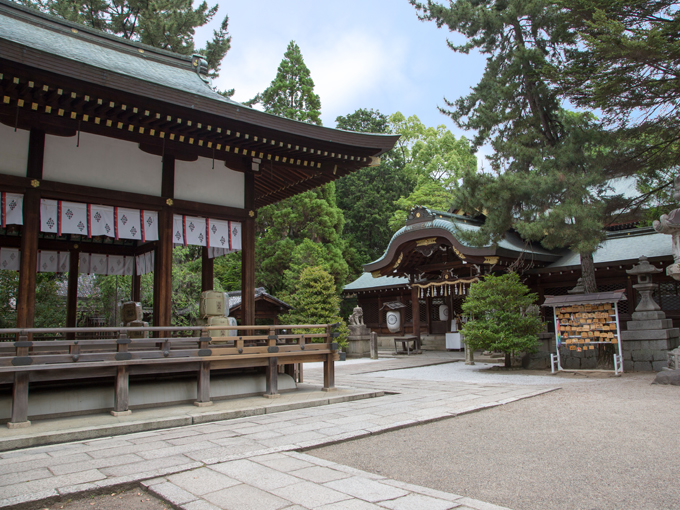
(128, 499)
(599, 443)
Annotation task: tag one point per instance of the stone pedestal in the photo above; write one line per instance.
(650, 335)
(359, 342)
(646, 344)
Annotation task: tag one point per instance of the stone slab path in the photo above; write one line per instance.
(256, 462)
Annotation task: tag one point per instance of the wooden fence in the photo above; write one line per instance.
(25, 358)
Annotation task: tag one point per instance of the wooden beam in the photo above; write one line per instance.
(248, 254)
(207, 271)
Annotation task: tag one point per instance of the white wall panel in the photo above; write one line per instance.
(13, 151)
(103, 163)
(198, 182)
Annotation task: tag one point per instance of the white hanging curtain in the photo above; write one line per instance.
(100, 220)
(61, 217)
(11, 209)
(53, 261)
(10, 259)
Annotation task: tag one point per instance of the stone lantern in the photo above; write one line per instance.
(644, 271)
(650, 335)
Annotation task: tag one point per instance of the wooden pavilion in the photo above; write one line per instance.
(112, 152)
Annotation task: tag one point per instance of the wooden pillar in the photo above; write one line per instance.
(72, 292)
(29, 256)
(272, 378)
(162, 274)
(121, 397)
(162, 298)
(415, 311)
(207, 271)
(19, 416)
(136, 286)
(248, 254)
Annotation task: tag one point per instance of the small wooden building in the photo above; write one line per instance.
(426, 265)
(267, 307)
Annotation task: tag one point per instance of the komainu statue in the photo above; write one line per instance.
(357, 317)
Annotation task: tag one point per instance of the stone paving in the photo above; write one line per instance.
(256, 462)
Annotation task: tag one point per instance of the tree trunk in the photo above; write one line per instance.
(508, 360)
(588, 272)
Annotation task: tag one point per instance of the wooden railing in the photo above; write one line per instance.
(26, 359)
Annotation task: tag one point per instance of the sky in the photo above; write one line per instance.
(361, 54)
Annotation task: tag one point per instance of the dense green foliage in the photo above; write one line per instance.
(300, 231)
(434, 160)
(165, 24)
(291, 94)
(315, 301)
(50, 307)
(368, 197)
(500, 318)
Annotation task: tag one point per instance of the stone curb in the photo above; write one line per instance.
(95, 432)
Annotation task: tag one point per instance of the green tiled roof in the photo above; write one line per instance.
(366, 281)
(102, 51)
(511, 244)
(623, 246)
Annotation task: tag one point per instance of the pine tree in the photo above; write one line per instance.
(500, 318)
(551, 166)
(165, 24)
(291, 93)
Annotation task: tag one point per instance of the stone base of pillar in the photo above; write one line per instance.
(359, 342)
(18, 425)
(646, 344)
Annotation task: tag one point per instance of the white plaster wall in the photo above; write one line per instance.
(103, 163)
(13, 151)
(198, 182)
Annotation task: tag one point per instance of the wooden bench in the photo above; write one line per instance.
(20, 360)
(405, 344)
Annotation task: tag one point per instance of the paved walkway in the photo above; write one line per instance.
(255, 462)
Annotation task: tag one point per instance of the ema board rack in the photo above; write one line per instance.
(582, 325)
(583, 321)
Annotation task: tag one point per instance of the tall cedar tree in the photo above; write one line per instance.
(627, 65)
(304, 230)
(551, 167)
(165, 24)
(368, 196)
(291, 94)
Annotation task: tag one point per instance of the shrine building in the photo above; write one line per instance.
(427, 265)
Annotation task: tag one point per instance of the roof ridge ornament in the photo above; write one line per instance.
(200, 66)
(419, 214)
